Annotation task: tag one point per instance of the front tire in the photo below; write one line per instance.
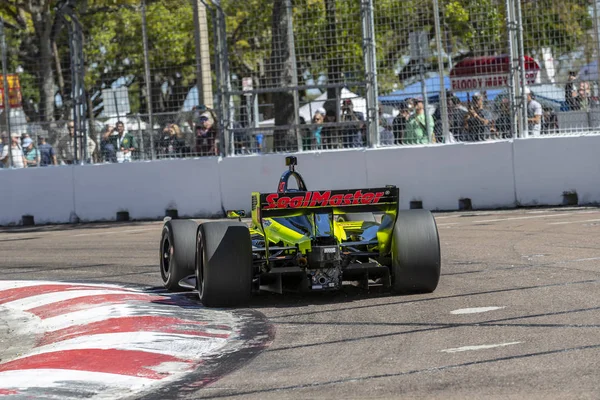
(224, 264)
(416, 258)
(177, 252)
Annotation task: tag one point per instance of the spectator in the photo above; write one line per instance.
(416, 128)
(207, 142)
(118, 145)
(571, 92)
(47, 154)
(401, 120)
(329, 134)
(455, 120)
(478, 120)
(314, 139)
(549, 121)
(3, 142)
(583, 96)
(66, 146)
(503, 121)
(354, 134)
(31, 153)
(171, 143)
(534, 114)
(18, 159)
(386, 134)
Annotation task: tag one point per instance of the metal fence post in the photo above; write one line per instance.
(369, 51)
(150, 126)
(294, 72)
(521, 46)
(514, 87)
(5, 94)
(438, 42)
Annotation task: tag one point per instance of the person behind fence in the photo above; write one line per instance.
(207, 142)
(119, 146)
(313, 140)
(534, 114)
(571, 91)
(47, 154)
(18, 158)
(455, 120)
(416, 128)
(66, 146)
(31, 153)
(401, 120)
(352, 135)
(386, 134)
(3, 142)
(171, 142)
(478, 121)
(329, 134)
(503, 121)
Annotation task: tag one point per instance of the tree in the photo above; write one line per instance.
(281, 73)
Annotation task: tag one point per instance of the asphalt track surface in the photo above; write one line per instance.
(516, 314)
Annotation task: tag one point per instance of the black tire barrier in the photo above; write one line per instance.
(465, 204)
(122, 216)
(416, 205)
(172, 213)
(570, 198)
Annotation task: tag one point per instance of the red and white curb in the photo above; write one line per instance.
(111, 341)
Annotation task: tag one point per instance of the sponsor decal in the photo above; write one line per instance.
(491, 81)
(322, 199)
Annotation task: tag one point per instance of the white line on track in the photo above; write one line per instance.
(519, 218)
(573, 222)
(480, 347)
(112, 232)
(475, 310)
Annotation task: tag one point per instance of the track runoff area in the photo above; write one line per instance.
(515, 315)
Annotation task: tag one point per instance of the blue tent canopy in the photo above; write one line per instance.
(433, 92)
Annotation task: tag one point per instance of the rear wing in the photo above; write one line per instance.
(265, 205)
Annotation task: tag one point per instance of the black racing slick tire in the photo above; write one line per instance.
(224, 264)
(177, 252)
(416, 256)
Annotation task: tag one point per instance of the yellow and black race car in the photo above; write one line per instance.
(303, 240)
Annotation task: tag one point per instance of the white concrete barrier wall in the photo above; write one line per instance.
(440, 176)
(547, 167)
(493, 175)
(45, 193)
(147, 189)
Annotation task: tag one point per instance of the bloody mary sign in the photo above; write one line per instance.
(14, 91)
(488, 72)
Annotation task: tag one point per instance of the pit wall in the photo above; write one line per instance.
(526, 172)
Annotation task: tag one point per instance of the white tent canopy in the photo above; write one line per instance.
(308, 110)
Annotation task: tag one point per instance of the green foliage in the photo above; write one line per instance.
(114, 47)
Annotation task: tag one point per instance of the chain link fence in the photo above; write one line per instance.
(190, 78)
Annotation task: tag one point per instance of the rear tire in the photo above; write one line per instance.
(224, 264)
(177, 252)
(416, 258)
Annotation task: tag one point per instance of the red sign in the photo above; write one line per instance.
(465, 84)
(325, 199)
(14, 91)
(480, 73)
